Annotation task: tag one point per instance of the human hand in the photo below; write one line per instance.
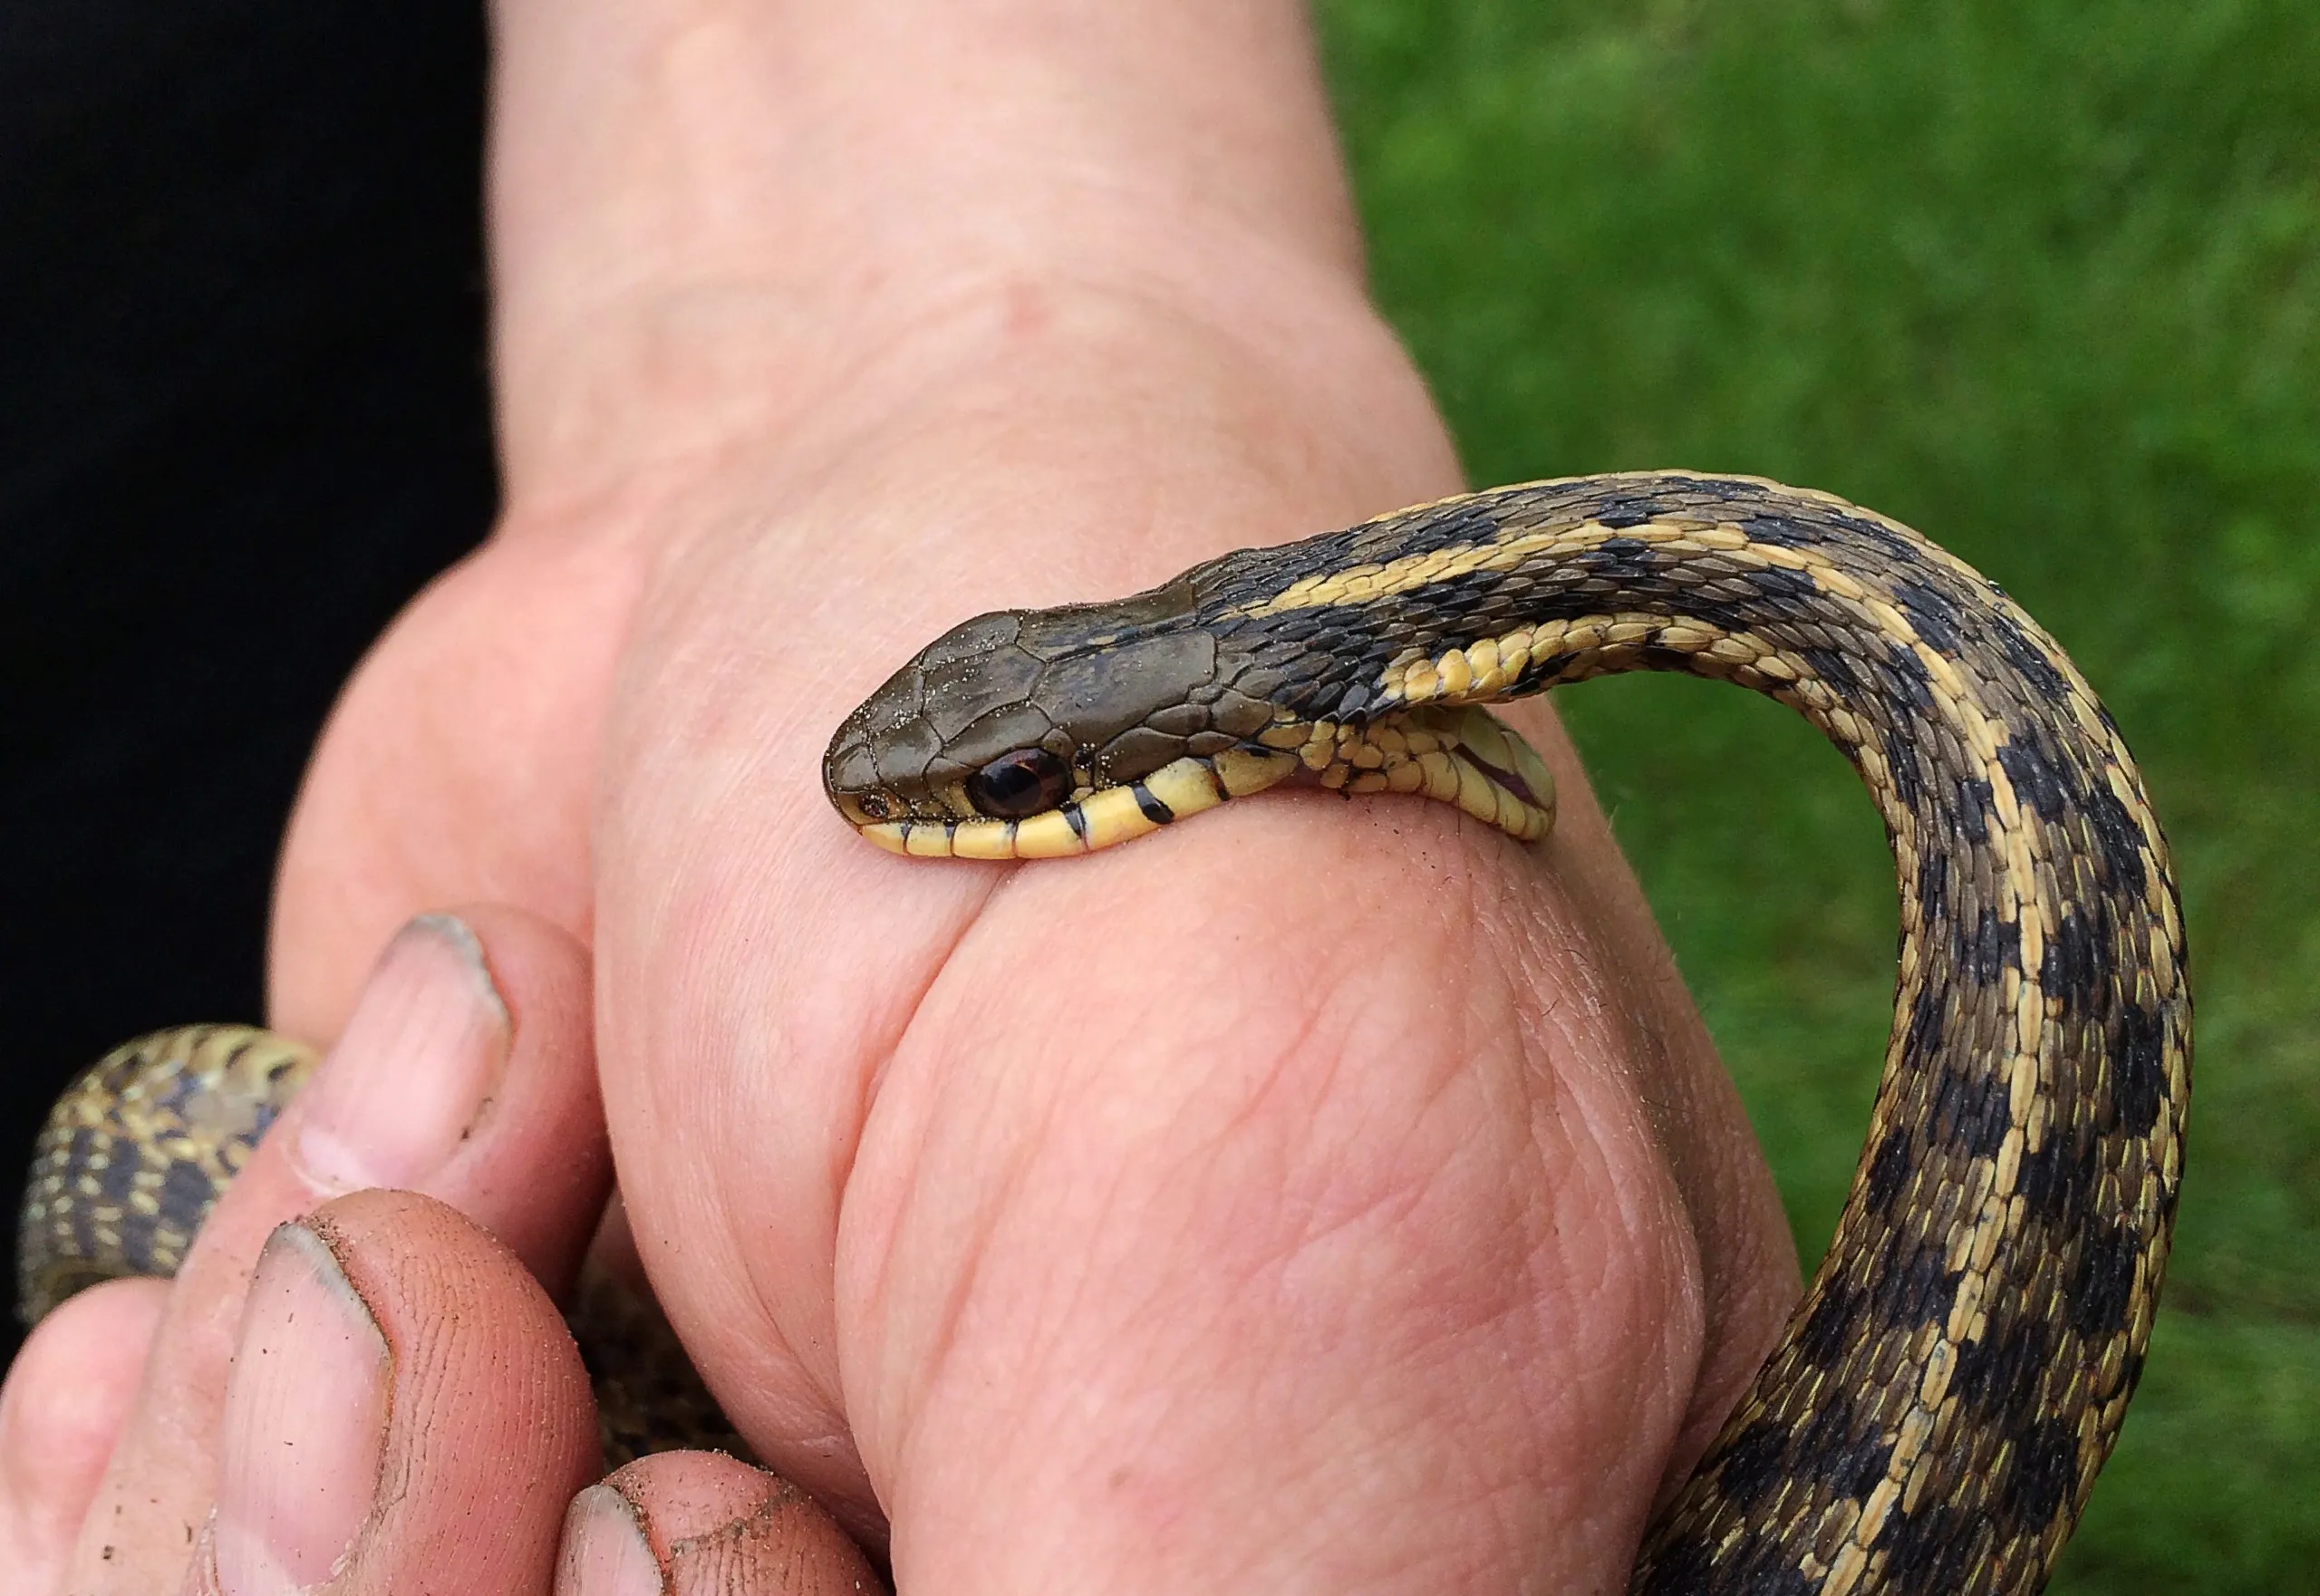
(1321, 1192)
(379, 1393)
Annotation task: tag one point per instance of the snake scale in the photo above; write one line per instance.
(1933, 1416)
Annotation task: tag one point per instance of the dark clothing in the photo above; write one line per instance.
(243, 417)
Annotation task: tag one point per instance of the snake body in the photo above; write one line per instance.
(1934, 1415)
(139, 1147)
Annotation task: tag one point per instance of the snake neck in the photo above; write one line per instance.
(1939, 1405)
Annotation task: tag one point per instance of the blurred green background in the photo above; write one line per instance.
(2042, 278)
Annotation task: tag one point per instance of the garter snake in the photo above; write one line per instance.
(1933, 1416)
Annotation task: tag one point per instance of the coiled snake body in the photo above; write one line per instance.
(1933, 1417)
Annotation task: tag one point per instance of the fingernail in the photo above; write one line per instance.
(605, 1549)
(305, 1423)
(420, 1058)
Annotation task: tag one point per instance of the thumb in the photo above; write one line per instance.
(699, 1523)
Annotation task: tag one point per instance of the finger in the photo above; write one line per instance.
(406, 1412)
(467, 1073)
(69, 1392)
(698, 1524)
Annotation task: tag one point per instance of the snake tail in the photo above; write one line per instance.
(139, 1150)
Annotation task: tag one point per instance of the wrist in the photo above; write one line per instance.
(684, 195)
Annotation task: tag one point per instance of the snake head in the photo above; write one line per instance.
(1041, 733)
(1031, 734)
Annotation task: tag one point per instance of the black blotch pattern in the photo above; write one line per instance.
(1888, 1168)
(1912, 681)
(1755, 1462)
(1932, 613)
(1282, 663)
(1775, 594)
(1777, 532)
(2071, 970)
(1933, 887)
(1994, 945)
(2117, 839)
(1971, 1113)
(1908, 776)
(2058, 1179)
(1759, 1567)
(179, 1094)
(2026, 656)
(2102, 1286)
(137, 1232)
(1972, 814)
(1997, 1377)
(184, 1196)
(1682, 1566)
(1897, 548)
(2139, 1069)
(1821, 1340)
(1936, 1548)
(1912, 1291)
(1928, 1020)
(1849, 1452)
(1471, 524)
(80, 1147)
(2036, 778)
(2044, 1474)
(1832, 667)
(117, 1178)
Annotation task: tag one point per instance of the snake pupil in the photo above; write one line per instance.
(1018, 785)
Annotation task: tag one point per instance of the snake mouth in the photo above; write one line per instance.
(1101, 818)
(1462, 756)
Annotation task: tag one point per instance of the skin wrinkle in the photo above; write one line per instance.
(788, 57)
(413, 1291)
(1308, 1037)
(1661, 1237)
(937, 1348)
(1002, 1201)
(844, 403)
(762, 1305)
(894, 573)
(1650, 1073)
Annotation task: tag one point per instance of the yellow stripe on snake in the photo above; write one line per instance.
(1934, 1415)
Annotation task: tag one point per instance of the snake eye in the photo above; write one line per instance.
(874, 806)
(1017, 786)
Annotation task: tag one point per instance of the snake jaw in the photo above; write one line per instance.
(1462, 756)
(1102, 818)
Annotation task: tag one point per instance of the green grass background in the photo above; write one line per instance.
(2041, 277)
